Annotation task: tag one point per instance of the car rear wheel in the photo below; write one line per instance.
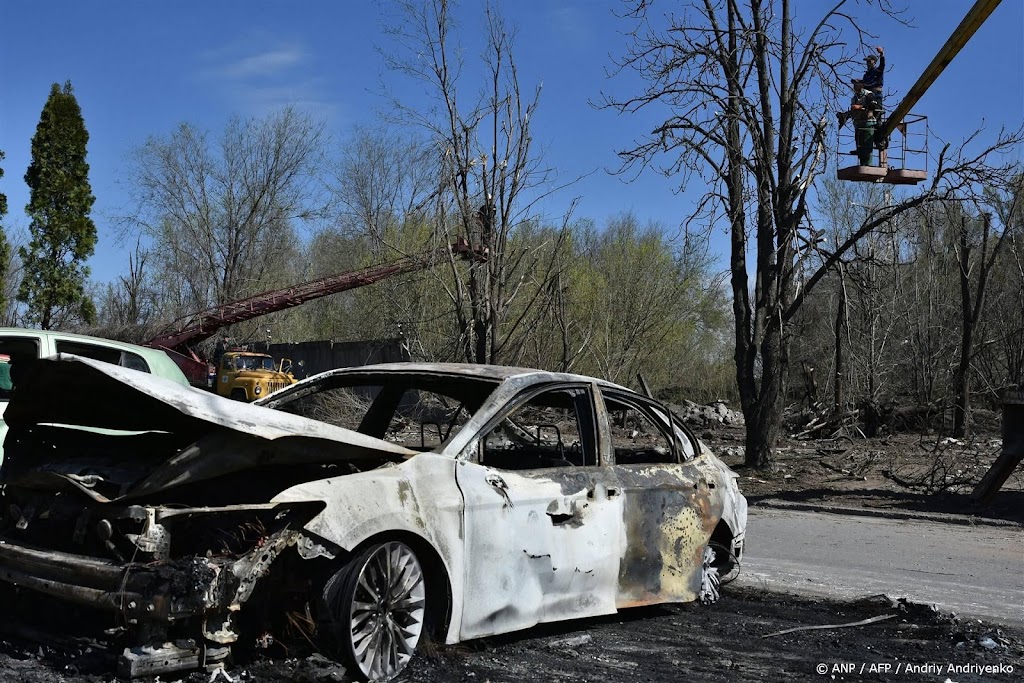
(710, 583)
(725, 562)
(377, 605)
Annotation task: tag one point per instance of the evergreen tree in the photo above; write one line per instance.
(5, 246)
(63, 235)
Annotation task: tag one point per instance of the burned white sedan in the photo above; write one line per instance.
(363, 510)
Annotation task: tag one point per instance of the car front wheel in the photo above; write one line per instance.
(377, 603)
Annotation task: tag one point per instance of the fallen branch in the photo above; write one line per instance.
(862, 622)
(840, 470)
(905, 483)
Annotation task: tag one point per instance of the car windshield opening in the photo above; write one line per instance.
(415, 411)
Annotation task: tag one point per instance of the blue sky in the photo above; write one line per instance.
(139, 68)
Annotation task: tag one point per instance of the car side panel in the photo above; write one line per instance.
(670, 514)
(419, 496)
(544, 545)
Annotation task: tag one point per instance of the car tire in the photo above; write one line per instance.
(238, 395)
(376, 605)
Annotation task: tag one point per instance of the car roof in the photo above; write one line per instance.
(499, 373)
(159, 362)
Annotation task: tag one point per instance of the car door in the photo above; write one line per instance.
(670, 508)
(542, 517)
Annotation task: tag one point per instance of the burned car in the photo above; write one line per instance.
(364, 509)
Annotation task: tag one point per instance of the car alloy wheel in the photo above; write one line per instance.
(709, 579)
(379, 610)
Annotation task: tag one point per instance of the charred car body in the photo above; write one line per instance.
(366, 508)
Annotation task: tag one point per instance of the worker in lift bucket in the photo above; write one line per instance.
(858, 100)
(874, 78)
(865, 119)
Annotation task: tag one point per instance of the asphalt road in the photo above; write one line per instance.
(970, 570)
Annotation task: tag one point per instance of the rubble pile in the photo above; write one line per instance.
(707, 415)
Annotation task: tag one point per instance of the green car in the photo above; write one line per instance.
(19, 347)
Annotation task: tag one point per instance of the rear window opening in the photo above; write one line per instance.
(16, 354)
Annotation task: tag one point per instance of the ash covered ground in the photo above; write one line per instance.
(723, 642)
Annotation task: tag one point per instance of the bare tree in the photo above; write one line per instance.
(637, 302)
(385, 186)
(1002, 355)
(978, 246)
(218, 211)
(383, 178)
(130, 305)
(749, 94)
(489, 178)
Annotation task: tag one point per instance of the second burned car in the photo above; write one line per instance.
(363, 508)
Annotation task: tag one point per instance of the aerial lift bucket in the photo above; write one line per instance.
(903, 163)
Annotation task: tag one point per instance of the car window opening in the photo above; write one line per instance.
(552, 429)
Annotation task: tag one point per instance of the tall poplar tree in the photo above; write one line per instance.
(60, 200)
(5, 246)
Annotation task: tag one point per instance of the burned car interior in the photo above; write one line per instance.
(354, 511)
(420, 412)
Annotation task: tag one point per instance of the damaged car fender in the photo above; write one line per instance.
(418, 497)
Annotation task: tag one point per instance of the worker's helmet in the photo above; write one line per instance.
(871, 59)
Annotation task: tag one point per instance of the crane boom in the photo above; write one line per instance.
(203, 325)
(975, 17)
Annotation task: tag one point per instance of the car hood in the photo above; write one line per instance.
(93, 397)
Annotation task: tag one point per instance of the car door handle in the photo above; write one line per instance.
(499, 485)
(610, 492)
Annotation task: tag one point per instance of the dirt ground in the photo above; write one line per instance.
(901, 472)
(729, 641)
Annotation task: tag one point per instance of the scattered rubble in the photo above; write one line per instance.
(574, 641)
(708, 415)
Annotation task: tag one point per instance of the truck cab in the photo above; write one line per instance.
(249, 375)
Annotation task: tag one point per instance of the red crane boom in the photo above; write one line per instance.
(190, 330)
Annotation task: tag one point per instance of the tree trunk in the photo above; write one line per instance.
(761, 436)
(763, 419)
(962, 402)
(840, 310)
(763, 398)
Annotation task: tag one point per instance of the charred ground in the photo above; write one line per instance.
(724, 642)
